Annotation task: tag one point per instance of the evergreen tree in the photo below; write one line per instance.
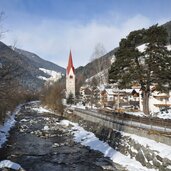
(70, 99)
(153, 66)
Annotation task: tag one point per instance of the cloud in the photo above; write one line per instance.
(53, 39)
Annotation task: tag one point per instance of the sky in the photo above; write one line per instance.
(51, 28)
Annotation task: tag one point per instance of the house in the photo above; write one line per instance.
(117, 98)
(107, 97)
(90, 95)
(158, 101)
(85, 94)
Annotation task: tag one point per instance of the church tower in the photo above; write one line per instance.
(70, 77)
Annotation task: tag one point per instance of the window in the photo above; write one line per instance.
(71, 76)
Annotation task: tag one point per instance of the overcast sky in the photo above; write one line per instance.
(50, 28)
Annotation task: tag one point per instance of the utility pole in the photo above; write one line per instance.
(118, 100)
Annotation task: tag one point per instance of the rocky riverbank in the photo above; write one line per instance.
(122, 142)
(39, 142)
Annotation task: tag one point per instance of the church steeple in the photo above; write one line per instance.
(70, 63)
(70, 77)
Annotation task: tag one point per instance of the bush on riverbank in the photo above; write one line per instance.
(52, 95)
(11, 99)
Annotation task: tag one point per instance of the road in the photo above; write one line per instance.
(39, 143)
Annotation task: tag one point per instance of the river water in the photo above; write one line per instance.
(39, 143)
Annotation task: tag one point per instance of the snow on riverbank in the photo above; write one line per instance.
(89, 139)
(9, 164)
(161, 149)
(42, 110)
(8, 124)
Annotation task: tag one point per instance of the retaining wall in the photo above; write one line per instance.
(120, 126)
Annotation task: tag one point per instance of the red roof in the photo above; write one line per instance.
(70, 64)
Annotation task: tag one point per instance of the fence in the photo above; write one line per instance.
(146, 123)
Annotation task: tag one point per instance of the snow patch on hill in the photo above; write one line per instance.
(168, 47)
(100, 77)
(143, 47)
(54, 76)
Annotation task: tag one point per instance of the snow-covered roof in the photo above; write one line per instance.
(119, 91)
(128, 90)
(110, 91)
(157, 94)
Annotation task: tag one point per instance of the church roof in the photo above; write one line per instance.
(70, 64)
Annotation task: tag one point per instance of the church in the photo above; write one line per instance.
(70, 77)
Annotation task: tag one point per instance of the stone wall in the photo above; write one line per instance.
(154, 135)
(107, 132)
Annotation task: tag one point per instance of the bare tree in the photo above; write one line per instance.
(14, 44)
(2, 29)
(99, 62)
(52, 97)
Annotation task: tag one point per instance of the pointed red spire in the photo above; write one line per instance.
(70, 63)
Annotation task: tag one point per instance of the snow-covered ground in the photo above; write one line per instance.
(168, 47)
(54, 76)
(101, 75)
(164, 114)
(9, 164)
(42, 110)
(142, 47)
(162, 149)
(8, 124)
(89, 139)
(136, 113)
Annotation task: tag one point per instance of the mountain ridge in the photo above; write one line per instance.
(40, 62)
(24, 69)
(87, 70)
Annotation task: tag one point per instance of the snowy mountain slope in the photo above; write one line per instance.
(24, 70)
(54, 76)
(168, 28)
(39, 62)
(143, 47)
(89, 71)
(18, 68)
